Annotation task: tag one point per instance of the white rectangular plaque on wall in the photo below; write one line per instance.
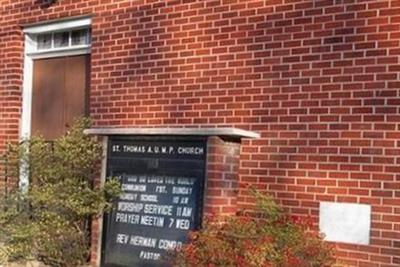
(345, 222)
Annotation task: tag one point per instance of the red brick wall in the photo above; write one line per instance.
(11, 54)
(317, 78)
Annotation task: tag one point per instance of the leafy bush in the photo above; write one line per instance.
(50, 220)
(267, 237)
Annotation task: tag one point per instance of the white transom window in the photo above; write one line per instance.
(58, 39)
(63, 39)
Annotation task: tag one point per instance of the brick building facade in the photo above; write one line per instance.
(317, 79)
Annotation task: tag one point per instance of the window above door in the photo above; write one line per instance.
(70, 37)
(63, 39)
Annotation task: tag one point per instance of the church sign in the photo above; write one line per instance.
(162, 182)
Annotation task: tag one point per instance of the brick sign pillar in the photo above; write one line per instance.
(221, 172)
(221, 190)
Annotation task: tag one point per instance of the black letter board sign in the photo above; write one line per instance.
(162, 180)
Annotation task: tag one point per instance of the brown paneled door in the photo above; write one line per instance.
(60, 94)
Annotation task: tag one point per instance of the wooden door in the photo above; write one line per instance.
(60, 87)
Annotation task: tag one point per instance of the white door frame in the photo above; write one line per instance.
(31, 53)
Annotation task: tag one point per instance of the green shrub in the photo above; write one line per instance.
(50, 219)
(267, 237)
